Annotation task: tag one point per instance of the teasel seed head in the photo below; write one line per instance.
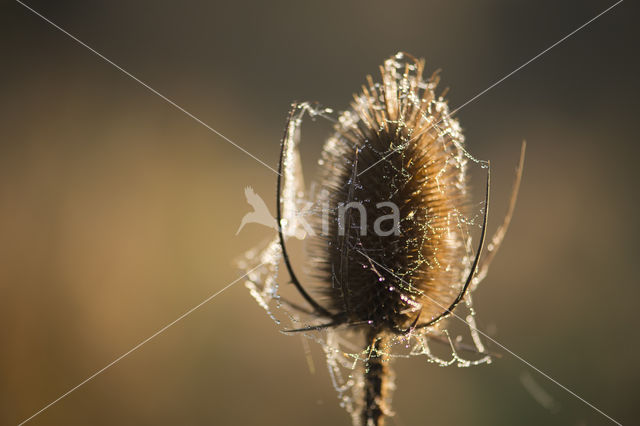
(397, 144)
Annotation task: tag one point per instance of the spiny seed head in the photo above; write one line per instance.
(398, 144)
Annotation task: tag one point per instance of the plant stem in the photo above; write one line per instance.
(375, 381)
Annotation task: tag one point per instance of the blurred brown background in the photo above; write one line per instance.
(118, 212)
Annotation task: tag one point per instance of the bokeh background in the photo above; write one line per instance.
(118, 212)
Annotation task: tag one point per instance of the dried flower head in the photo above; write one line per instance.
(396, 145)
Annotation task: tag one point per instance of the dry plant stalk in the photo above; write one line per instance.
(396, 154)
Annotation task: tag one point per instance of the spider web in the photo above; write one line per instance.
(344, 347)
